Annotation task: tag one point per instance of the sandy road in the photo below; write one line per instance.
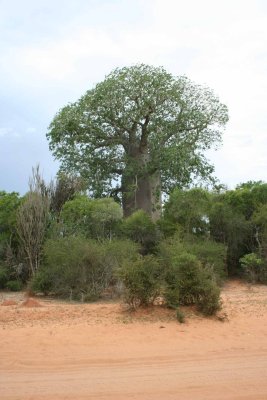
(98, 352)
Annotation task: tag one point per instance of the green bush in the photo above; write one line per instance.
(73, 268)
(93, 218)
(117, 251)
(142, 281)
(254, 268)
(140, 228)
(14, 286)
(187, 283)
(79, 268)
(42, 282)
(180, 316)
(209, 298)
(211, 255)
(4, 276)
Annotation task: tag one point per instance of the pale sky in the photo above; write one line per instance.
(53, 51)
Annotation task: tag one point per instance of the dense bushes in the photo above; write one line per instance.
(93, 218)
(4, 276)
(86, 249)
(183, 281)
(14, 286)
(211, 255)
(78, 268)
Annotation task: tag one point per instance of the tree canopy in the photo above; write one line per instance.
(140, 131)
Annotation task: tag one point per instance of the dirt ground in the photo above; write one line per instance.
(55, 350)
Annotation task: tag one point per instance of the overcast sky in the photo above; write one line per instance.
(53, 51)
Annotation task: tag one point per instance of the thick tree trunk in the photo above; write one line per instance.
(141, 190)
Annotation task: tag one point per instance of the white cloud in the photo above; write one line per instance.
(221, 44)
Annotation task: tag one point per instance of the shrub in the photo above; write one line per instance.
(117, 251)
(142, 281)
(187, 283)
(180, 316)
(14, 286)
(254, 268)
(80, 268)
(93, 218)
(4, 276)
(73, 268)
(209, 298)
(211, 255)
(140, 228)
(42, 282)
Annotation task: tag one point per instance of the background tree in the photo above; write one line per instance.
(237, 220)
(9, 203)
(139, 132)
(189, 209)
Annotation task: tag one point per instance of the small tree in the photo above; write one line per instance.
(63, 189)
(254, 268)
(32, 220)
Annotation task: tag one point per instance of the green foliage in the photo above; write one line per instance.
(172, 120)
(140, 228)
(172, 287)
(9, 203)
(142, 281)
(210, 254)
(80, 269)
(14, 286)
(4, 277)
(43, 281)
(237, 220)
(189, 209)
(192, 284)
(118, 250)
(209, 297)
(180, 316)
(230, 227)
(73, 268)
(259, 220)
(168, 228)
(255, 270)
(76, 216)
(247, 198)
(95, 218)
(106, 213)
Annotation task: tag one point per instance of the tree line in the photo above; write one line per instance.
(58, 240)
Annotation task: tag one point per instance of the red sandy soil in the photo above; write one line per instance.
(9, 303)
(102, 351)
(31, 303)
